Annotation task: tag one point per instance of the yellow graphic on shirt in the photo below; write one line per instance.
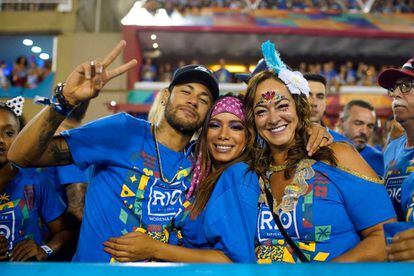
(144, 179)
(7, 205)
(183, 173)
(133, 178)
(126, 192)
(410, 167)
(279, 252)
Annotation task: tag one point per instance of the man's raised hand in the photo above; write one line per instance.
(88, 78)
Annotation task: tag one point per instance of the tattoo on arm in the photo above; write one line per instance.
(59, 151)
(75, 193)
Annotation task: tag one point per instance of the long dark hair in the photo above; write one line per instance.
(205, 188)
(261, 155)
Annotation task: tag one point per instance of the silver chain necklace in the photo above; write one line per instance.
(164, 179)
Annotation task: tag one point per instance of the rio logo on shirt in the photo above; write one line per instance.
(165, 200)
(393, 186)
(267, 228)
(7, 225)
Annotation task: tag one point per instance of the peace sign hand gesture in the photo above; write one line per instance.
(86, 81)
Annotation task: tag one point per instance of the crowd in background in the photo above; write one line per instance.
(337, 74)
(380, 6)
(25, 72)
(184, 6)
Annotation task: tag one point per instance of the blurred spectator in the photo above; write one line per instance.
(222, 74)
(19, 73)
(350, 73)
(46, 70)
(148, 71)
(33, 75)
(329, 71)
(4, 82)
(25, 73)
(166, 76)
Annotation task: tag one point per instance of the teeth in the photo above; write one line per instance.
(224, 147)
(278, 129)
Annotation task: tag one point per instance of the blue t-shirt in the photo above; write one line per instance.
(407, 198)
(399, 163)
(338, 137)
(227, 221)
(327, 219)
(125, 192)
(374, 158)
(26, 203)
(61, 176)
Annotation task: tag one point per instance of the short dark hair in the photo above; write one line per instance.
(360, 103)
(315, 77)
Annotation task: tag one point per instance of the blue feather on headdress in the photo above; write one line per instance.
(272, 57)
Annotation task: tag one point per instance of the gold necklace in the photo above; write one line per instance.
(159, 159)
(277, 168)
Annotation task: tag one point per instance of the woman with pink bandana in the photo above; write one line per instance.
(222, 198)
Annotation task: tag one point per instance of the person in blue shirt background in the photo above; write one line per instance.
(332, 205)
(27, 200)
(317, 100)
(138, 172)
(399, 154)
(357, 122)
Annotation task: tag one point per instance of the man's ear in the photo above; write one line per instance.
(165, 96)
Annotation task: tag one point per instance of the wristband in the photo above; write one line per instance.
(58, 102)
(61, 98)
(47, 249)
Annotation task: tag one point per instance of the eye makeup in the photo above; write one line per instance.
(236, 126)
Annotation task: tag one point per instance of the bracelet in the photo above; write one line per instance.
(47, 249)
(61, 98)
(57, 102)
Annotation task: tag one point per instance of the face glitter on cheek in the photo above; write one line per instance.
(270, 97)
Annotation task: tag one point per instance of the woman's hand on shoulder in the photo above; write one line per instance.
(349, 158)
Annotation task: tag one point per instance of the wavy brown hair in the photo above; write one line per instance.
(261, 156)
(206, 186)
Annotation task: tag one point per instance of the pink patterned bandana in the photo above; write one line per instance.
(231, 105)
(227, 104)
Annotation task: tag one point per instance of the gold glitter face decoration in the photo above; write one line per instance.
(270, 97)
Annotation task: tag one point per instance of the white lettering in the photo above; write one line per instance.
(176, 195)
(266, 219)
(158, 196)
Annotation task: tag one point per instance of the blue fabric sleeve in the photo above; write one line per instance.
(367, 202)
(232, 212)
(338, 137)
(97, 142)
(51, 204)
(407, 198)
(70, 174)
